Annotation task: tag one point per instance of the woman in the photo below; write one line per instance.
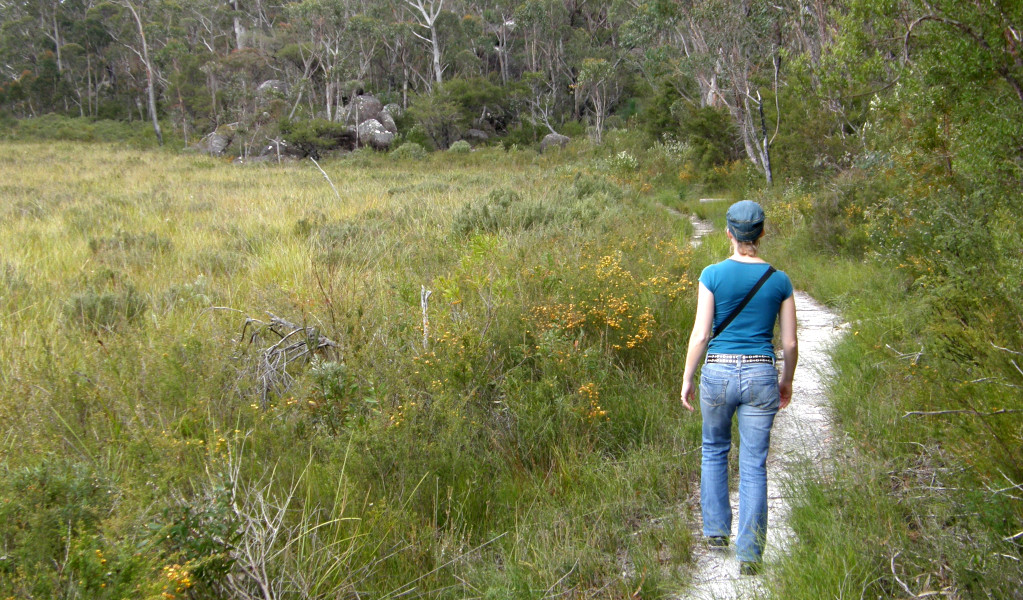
(739, 376)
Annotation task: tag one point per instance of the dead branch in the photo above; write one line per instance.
(913, 357)
(991, 380)
(932, 413)
(424, 303)
(1012, 485)
(294, 343)
(1005, 349)
(325, 176)
(901, 582)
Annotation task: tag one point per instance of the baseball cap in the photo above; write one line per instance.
(745, 220)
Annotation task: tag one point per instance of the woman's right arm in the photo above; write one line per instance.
(703, 325)
(790, 346)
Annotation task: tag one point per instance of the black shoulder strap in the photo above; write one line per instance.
(738, 309)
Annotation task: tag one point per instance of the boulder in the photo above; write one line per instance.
(476, 136)
(395, 109)
(214, 144)
(372, 133)
(554, 139)
(363, 108)
(387, 121)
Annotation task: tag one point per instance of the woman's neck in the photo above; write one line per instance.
(746, 259)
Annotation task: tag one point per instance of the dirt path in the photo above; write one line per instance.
(802, 432)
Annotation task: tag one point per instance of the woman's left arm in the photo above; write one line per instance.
(703, 325)
(790, 349)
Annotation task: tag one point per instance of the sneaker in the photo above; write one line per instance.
(750, 568)
(717, 541)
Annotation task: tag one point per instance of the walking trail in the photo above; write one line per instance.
(802, 433)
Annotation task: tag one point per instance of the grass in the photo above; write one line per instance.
(531, 446)
(912, 504)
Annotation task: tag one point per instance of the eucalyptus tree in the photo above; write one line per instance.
(546, 35)
(400, 57)
(126, 24)
(425, 13)
(499, 24)
(327, 23)
(600, 83)
(727, 46)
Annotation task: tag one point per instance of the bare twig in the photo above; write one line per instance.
(424, 303)
(1005, 349)
(992, 380)
(547, 592)
(294, 342)
(914, 357)
(932, 413)
(1012, 485)
(901, 582)
(327, 177)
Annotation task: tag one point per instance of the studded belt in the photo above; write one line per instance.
(737, 359)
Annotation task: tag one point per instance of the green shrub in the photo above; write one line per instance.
(313, 136)
(489, 214)
(43, 505)
(105, 309)
(624, 162)
(460, 147)
(710, 132)
(504, 209)
(409, 151)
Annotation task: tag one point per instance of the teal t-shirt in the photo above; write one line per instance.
(752, 330)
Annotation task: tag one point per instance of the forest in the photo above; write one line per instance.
(487, 306)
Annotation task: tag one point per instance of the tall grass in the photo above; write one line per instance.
(527, 443)
(921, 497)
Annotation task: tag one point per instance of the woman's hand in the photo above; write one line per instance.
(688, 394)
(785, 391)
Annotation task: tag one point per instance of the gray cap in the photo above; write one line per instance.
(745, 220)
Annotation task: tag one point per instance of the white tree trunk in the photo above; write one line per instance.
(150, 85)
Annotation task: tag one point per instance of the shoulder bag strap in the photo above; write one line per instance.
(738, 309)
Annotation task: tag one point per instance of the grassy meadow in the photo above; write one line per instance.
(457, 377)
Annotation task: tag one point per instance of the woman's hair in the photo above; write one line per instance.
(747, 248)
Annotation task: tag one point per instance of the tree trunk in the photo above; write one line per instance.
(239, 27)
(56, 42)
(437, 71)
(150, 85)
(765, 144)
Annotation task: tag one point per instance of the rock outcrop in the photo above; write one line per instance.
(476, 136)
(554, 139)
(372, 133)
(215, 143)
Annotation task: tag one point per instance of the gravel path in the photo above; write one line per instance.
(802, 432)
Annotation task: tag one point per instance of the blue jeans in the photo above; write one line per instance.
(751, 390)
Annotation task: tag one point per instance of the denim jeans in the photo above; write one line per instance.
(751, 390)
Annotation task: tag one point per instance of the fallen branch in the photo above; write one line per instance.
(296, 343)
(914, 357)
(325, 176)
(992, 380)
(932, 413)
(1005, 349)
(901, 582)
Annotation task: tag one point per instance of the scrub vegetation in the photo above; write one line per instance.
(515, 434)
(452, 370)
